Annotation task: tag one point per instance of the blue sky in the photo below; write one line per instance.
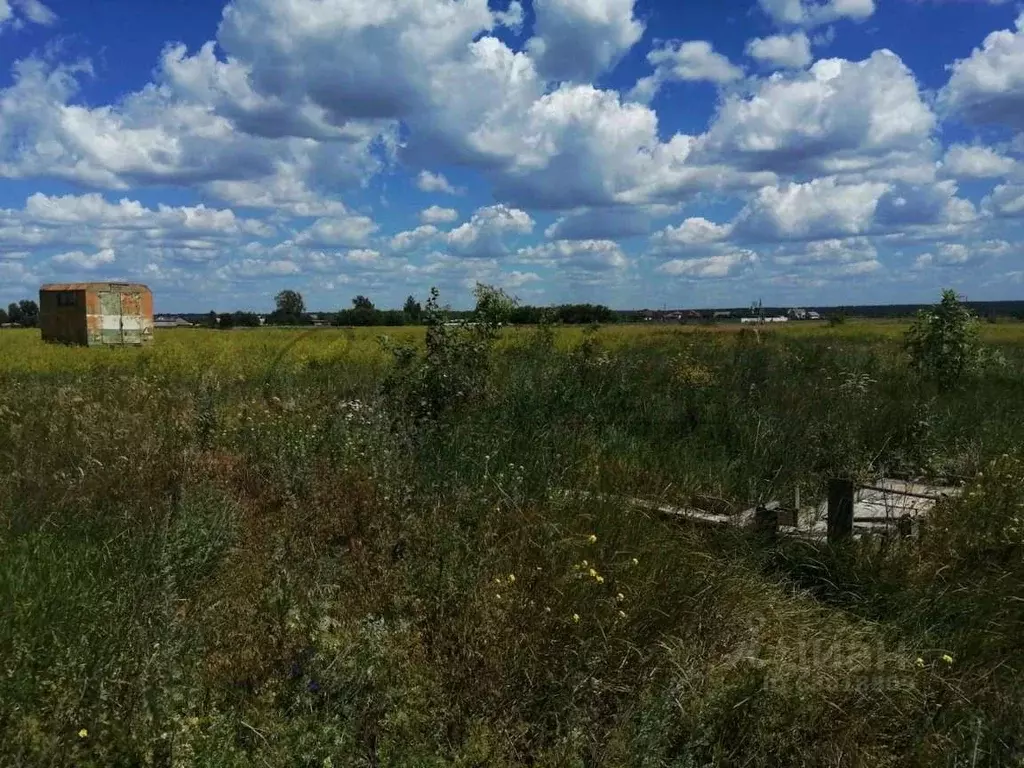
(636, 153)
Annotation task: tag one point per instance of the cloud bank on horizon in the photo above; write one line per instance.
(626, 152)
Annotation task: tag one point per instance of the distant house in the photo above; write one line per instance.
(797, 313)
(317, 320)
(163, 321)
(722, 315)
(759, 320)
(812, 315)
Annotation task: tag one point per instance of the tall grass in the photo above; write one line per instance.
(230, 549)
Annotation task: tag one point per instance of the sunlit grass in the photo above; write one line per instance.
(247, 351)
(227, 549)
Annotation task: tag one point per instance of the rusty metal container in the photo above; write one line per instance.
(96, 314)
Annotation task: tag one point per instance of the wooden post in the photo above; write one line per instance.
(766, 520)
(789, 518)
(840, 510)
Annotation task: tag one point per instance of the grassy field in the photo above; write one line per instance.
(280, 548)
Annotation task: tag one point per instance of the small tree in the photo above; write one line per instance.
(4, 318)
(943, 341)
(29, 313)
(493, 306)
(14, 313)
(290, 303)
(413, 311)
(362, 302)
(457, 362)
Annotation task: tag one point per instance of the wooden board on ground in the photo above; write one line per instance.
(884, 506)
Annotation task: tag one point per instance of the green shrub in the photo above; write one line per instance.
(943, 342)
(457, 361)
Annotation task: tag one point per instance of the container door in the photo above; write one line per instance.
(110, 318)
(131, 318)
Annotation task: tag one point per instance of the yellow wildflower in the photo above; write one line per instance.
(620, 597)
(622, 614)
(593, 573)
(576, 618)
(511, 578)
(585, 564)
(497, 596)
(83, 733)
(592, 539)
(635, 561)
(599, 579)
(947, 658)
(547, 609)
(919, 662)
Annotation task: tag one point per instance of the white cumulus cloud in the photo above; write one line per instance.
(16, 13)
(1005, 200)
(607, 222)
(812, 13)
(839, 116)
(988, 86)
(791, 51)
(584, 255)
(86, 261)
(577, 40)
(694, 232)
(428, 181)
(414, 238)
(36, 12)
(435, 214)
(689, 61)
(975, 162)
(709, 267)
(484, 235)
(349, 230)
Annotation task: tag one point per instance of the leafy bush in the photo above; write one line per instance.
(943, 341)
(457, 361)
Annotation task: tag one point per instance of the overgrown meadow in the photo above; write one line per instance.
(329, 548)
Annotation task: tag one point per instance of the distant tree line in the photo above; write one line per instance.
(290, 310)
(228, 320)
(569, 314)
(364, 313)
(24, 313)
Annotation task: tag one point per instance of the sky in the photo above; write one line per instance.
(635, 153)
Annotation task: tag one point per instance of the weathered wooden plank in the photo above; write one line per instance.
(696, 515)
(886, 509)
(907, 488)
(849, 512)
